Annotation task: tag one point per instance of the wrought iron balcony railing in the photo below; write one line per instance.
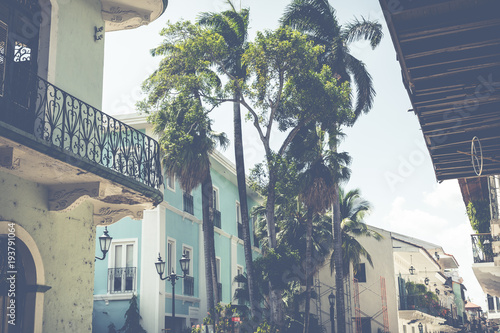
(69, 124)
(121, 280)
(189, 285)
(482, 249)
(188, 203)
(217, 219)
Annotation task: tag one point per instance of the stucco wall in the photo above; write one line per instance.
(66, 245)
(76, 60)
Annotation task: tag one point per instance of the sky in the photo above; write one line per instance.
(391, 165)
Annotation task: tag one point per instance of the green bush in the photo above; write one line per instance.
(479, 215)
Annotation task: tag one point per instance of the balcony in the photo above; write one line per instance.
(482, 249)
(189, 285)
(217, 219)
(121, 280)
(187, 200)
(53, 138)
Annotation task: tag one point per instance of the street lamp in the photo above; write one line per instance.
(420, 327)
(412, 269)
(331, 299)
(104, 243)
(160, 269)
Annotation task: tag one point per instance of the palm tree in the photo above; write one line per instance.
(186, 147)
(233, 27)
(318, 20)
(319, 168)
(353, 210)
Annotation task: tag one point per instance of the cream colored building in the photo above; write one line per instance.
(377, 298)
(65, 166)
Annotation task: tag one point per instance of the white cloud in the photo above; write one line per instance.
(414, 222)
(445, 195)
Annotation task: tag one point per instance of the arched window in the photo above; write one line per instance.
(19, 35)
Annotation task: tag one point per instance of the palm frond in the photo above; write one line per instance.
(364, 86)
(363, 29)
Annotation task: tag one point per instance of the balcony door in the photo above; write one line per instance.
(19, 34)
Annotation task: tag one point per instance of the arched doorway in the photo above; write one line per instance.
(21, 281)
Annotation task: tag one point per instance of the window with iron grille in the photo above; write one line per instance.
(188, 203)
(122, 275)
(189, 286)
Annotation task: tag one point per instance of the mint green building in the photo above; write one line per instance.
(171, 229)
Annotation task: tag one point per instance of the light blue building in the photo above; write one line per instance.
(171, 229)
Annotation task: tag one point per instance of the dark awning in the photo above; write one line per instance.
(449, 52)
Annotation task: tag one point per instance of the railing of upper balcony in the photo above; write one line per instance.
(494, 190)
(121, 280)
(67, 123)
(482, 249)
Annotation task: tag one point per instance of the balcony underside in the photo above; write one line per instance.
(488, 276)
(130, 14)
(431, 322)
(71, 179)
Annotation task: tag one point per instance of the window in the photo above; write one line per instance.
(170, 181)
(122, 271)
(170, 264)
(217, 215)
(360, 274)
(366, 325)
(491, 305)
(238, 220)
(216, 198)
(188, 279)
(219, 284)
(188, 203)
(238, 212)
(188, 252)
(239, 271)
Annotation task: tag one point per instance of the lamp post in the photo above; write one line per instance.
(160, 269)
(104, 243)
(420, 327)
(331, 299)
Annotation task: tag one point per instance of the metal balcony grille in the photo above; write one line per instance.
(189, 285)
(482, 249)
(69, 124)
(217, 219)
(121, 280)
(188, 203)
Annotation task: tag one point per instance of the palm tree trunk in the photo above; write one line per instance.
(242, 191)
(275, 295)
(308, 271)
(337, 256)
(208, 227)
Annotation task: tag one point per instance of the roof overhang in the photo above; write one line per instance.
(449, 52)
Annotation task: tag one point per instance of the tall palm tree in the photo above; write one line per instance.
(319, 170)
(233, 27)
(186, 147)
(318, 20)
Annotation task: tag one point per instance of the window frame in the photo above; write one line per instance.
(216, 195)
(168, 176)
(168, 260)
(190, 249)
(111, 262)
